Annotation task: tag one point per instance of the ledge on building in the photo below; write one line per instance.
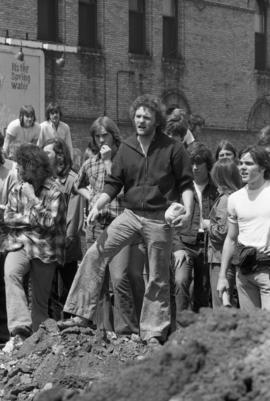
(135, 57)
(173, 60)
(90, 50)
(35, 44)
(265, 72)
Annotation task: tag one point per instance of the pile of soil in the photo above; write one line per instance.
(219, 355)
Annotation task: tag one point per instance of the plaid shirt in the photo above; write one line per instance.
(38, 227)
(91, 176)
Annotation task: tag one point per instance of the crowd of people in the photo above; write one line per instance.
(169, 225)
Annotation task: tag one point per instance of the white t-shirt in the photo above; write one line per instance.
(188, 138)
(250, 209)
(19, 134)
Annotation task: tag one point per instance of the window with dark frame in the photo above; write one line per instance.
(170, 29)
(48, 20)
(260, 35)
(88, 23)
(137, 27)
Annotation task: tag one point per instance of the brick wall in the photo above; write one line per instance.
(213, 77)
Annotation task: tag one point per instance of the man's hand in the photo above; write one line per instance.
(93, 214)
(105, 153)
(181, 221)
(206, 224)
(222, 285)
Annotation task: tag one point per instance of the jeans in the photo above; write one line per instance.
(214, 269)
(4, 334)
(17, 265)
(254, 289)
(84, 294)
(63, 278)
(192, 284)
(125, 272)
(183, 275)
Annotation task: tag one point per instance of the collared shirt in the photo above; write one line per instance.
(39, 227)
(92, 174)
(48, 131)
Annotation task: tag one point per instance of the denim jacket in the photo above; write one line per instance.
(218, 229)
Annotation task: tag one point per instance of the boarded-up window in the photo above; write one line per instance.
(260, 35)
(47, 20)
(88, 23)
(136, 26)
(170, 29)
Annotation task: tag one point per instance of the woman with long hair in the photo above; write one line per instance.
(226, 177)
(61, 163)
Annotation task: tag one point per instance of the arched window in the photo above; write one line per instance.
(260, 34)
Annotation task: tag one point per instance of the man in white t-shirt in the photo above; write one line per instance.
(24, 129)
(249, 225)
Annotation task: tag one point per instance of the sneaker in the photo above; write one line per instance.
(111, 335)
(75, 321)
(22, 331)
(153, 342)
(13, 343)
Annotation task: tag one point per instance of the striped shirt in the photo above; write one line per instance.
(38, 227)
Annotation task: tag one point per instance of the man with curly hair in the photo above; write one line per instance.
(154, 171)
(36, 217)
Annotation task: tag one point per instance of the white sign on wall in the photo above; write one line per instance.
(21, 83)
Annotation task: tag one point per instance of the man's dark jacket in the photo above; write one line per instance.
(152, 182)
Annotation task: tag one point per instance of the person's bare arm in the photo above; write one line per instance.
(84, 192)
(7, 142)
(227, 254)
(188, 199)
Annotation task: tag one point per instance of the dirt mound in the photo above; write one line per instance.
(216, 356)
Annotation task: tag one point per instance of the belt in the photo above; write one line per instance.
(150, 214)
(104, 219)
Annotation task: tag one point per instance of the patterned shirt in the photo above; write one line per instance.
(38, 227)
(92, 175)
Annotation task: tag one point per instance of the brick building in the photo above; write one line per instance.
(209, 57)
